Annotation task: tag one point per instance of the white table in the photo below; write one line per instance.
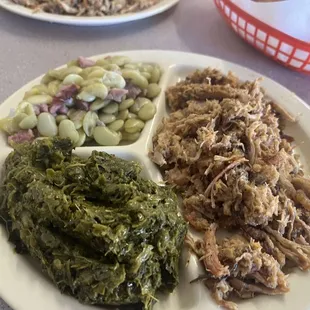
(29, 48)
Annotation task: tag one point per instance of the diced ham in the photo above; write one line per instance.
(85, 62)
(117, 94)
(55, 107)
(82, 105)
(63, 110)
(43, 107)
(21, 136)
(67, 91)
(133, 90)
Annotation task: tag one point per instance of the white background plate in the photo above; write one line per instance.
(88, 21)
(23, 286)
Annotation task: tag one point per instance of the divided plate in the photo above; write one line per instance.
(24, 287)
(158, 8)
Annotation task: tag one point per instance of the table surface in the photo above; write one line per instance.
(29, 48)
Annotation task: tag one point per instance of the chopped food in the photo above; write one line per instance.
(91, 102)
(101, 232)
(88, 7)
(224, 149)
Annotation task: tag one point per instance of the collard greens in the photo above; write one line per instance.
(101, 232)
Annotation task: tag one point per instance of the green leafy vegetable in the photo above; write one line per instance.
(101, 232)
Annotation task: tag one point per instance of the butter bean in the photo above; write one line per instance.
(116, 125)
(47, 125)
(126, 104)
(147, 112)
(133, 125)
(107, 118)
(111, 108)
(105, 136)
(153, 90)
(67, 130)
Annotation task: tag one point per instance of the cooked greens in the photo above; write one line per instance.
(100, 231)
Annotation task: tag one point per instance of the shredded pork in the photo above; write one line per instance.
(223, 148)
(87, 7)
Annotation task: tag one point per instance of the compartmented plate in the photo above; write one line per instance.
(22, 283)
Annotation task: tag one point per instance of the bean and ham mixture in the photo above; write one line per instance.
(224, 149)
(87, 7)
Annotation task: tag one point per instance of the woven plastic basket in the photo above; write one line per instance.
(283, 48)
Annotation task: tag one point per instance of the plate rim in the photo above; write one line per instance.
(20, 10)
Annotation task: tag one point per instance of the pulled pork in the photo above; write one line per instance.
(223, 148)
(87, 7)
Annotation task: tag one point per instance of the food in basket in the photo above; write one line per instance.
(91, 102)
(101, 232)
(88, 7)
(223, 147)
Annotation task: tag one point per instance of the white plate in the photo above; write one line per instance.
(24, 287)
(88, 21)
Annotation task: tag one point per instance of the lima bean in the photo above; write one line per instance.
(132, 115)
(131, 66)
(86, 71)
(60, 118)
(30, 93)
(76, 116)
(113, 80)
(107, 118)
(103, 61)
(97, 90)
(53, 87)
(105, 136)
(116, 125)
(126, 104)
(120, 60)
(147, 75)
(96, 74)
(90, 82)
(47, 125)
(40, 99)
(136, 78)
(123, 114)
(111, 108)
(8, 125)
(153, 90)
(70, 70)
(82, 138)
(139, 103)
(147, 112)
(89, 122)
(112, 67)
(29, 122)
(56, 74)
(155, 76)
(25, 107)
(29, 110)
(19, 117)
(146, 68)
(98, 104)
(47, 79)
(73, 79)
(133, 125)
(67, 130)
(41, 88)
(85, 96)
(130, 136)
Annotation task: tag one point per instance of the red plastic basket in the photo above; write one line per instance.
(283, 48)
